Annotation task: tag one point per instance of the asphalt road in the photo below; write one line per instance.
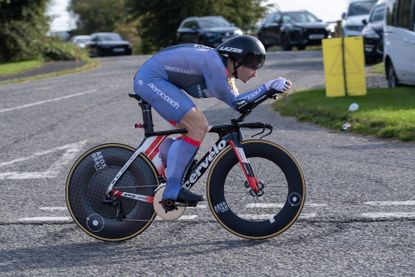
(358, 219)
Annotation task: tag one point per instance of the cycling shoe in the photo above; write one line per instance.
(185, 196)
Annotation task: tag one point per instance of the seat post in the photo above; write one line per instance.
(147, 117)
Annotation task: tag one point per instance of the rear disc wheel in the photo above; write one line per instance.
(110, 219)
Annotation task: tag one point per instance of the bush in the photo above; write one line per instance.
(56, 50)
(23, 27)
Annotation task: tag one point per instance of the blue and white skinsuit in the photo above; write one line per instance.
(165, 81)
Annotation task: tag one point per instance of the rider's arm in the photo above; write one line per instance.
(280, 85)
(218, 87)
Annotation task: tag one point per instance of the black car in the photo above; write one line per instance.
(292, 28)
(373, 34)
(208, 30)
(108, 44)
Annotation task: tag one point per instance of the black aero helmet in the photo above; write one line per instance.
(244, 50)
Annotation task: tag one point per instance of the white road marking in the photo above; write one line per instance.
(403, 215)
(52, 209)
(183, 217)
(71, 150)
(68, 219)
(391, 203)
(280, 205)
(307, 215)
(371, 215)
(46, 219)
(46, 101)
(269, 216)
(198, 207)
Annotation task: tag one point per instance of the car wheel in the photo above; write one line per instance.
(285, 43)
(391, 75)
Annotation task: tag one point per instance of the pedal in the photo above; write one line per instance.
(168, 210)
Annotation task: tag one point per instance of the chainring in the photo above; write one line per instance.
(175, 213)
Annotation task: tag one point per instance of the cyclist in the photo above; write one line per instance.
(167, 78)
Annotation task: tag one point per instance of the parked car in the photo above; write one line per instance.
(399, 42)
(208, 30)
(108, 44)
(81, 41)
(352, 19)
(373, 34)
(292, 28)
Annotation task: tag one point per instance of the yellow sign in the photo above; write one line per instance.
(344, 66)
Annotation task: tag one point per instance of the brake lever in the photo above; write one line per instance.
(267, 134)
(257, 134)
(266, 126)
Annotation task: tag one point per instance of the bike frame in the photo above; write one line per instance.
(228, 135)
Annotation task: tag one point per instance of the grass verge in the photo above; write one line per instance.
(90, 64)
(384, 113)
(18, 67)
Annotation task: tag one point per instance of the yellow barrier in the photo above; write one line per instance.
(344, 66)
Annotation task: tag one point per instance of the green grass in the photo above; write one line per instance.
(378, 68)
(89, 65)
(385, 113)
(17, 67)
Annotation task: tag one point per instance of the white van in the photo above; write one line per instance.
(399, 42)
(352, 19)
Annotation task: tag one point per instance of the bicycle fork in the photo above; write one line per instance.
(246, 166)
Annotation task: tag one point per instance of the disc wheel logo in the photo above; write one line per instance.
(294, 199)
(95, 223)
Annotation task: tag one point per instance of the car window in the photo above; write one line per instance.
(210, 22)
(277, 18)
(272, 18)
(413, 15)
(109, 37)
(378, 14)
(269, 19)
(404, 14)
(360, 8)
(391, 13)
(81, 40)
(190, 24)
(299, 17)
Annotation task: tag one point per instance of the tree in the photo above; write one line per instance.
(23, 27)
(105, 16)
(98, 15)
(159, 19)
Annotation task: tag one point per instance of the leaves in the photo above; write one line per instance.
(161, 18)
(156, 21)
(23, 26)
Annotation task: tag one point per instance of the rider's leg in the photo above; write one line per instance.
(175, 106)
(164, 150)
(181, 154)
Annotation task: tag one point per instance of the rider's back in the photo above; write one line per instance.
(197, 69)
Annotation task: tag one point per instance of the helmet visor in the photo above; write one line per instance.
(254, 61)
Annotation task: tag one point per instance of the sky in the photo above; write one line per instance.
(61, 19)
(327, 10)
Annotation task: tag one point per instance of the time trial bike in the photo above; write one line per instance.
(255, 188)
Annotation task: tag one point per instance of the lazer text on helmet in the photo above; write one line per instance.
(231, 49)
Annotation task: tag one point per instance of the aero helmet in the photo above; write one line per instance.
(244, 50)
